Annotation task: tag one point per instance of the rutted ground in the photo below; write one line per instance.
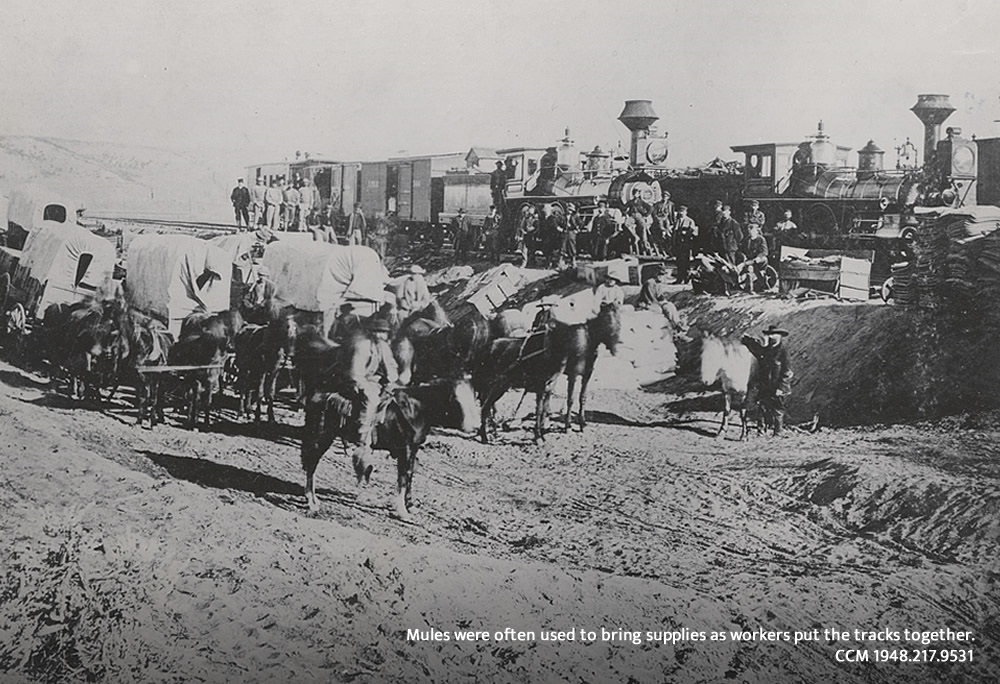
(196, 560)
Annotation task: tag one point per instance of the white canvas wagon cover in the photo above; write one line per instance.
(239, 248)
(171, 276)
(318, 276)
(69, 261)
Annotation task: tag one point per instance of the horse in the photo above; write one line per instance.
(149, 346)
(604, 329)
(205, 344)
(509, 363)
(402, 425)
(730, 364)
(249, 363)
(426, 348)
(84, 339)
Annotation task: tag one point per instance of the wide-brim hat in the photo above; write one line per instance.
(775, 330)
(548, 300)
(418, 269)
(378, 324)
(263, 271)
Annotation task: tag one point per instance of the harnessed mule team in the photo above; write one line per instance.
(379, 383)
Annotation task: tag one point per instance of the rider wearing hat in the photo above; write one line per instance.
(775, 372)
(608, 293)
(368, 367)
(412, 294)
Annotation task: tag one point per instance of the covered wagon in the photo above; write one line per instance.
(60, 264)
(31, 206)
(319, 277)
(172, 276)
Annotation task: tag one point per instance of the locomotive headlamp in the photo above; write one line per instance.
(656, 151)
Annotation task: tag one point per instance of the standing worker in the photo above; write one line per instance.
(257, 202)
(775, 373)
(498, 186)
(291, 197)
(603, 227)
(730, 237)
(357, 226)
(307, 201)
(685, 243)
(272, 200)
(240, 197)
(491, 234)
(573, 226)
(460, 232)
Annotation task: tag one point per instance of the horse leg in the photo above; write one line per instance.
(744, 429)
(141, 400)
(318, 438)
(570, 387)
(588, 371)
(404, 478)
(726, 408)
(541, 411)
(271, 388)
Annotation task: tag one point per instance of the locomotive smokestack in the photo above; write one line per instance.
(932, 110)
(638, 116)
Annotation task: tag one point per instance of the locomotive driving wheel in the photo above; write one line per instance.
(820, 219)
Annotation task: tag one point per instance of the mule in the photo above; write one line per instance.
(207, 346)
(402, 426)
(149, 347)
(730, 365)
(533, 364)
(605, 330)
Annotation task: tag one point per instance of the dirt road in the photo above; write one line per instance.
(170, 555)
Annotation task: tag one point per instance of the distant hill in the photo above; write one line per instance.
(123, 180)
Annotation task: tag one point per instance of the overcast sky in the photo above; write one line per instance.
(365, 80)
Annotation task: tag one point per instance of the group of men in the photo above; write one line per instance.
(281, 206)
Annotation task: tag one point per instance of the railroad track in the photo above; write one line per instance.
(189, 225)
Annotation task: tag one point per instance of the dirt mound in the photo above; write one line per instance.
(858, 363)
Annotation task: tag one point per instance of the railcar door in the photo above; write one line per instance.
(404, 197)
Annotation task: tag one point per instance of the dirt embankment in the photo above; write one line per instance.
(858, 363)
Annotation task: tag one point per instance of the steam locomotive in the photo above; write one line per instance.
(829, 199)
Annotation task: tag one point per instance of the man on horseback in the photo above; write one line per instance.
(608, 293)
(368, 368)
(775, 373)
(413, 294)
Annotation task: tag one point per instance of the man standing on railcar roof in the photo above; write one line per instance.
(257, 193)
(291, 197)
(273, 199)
